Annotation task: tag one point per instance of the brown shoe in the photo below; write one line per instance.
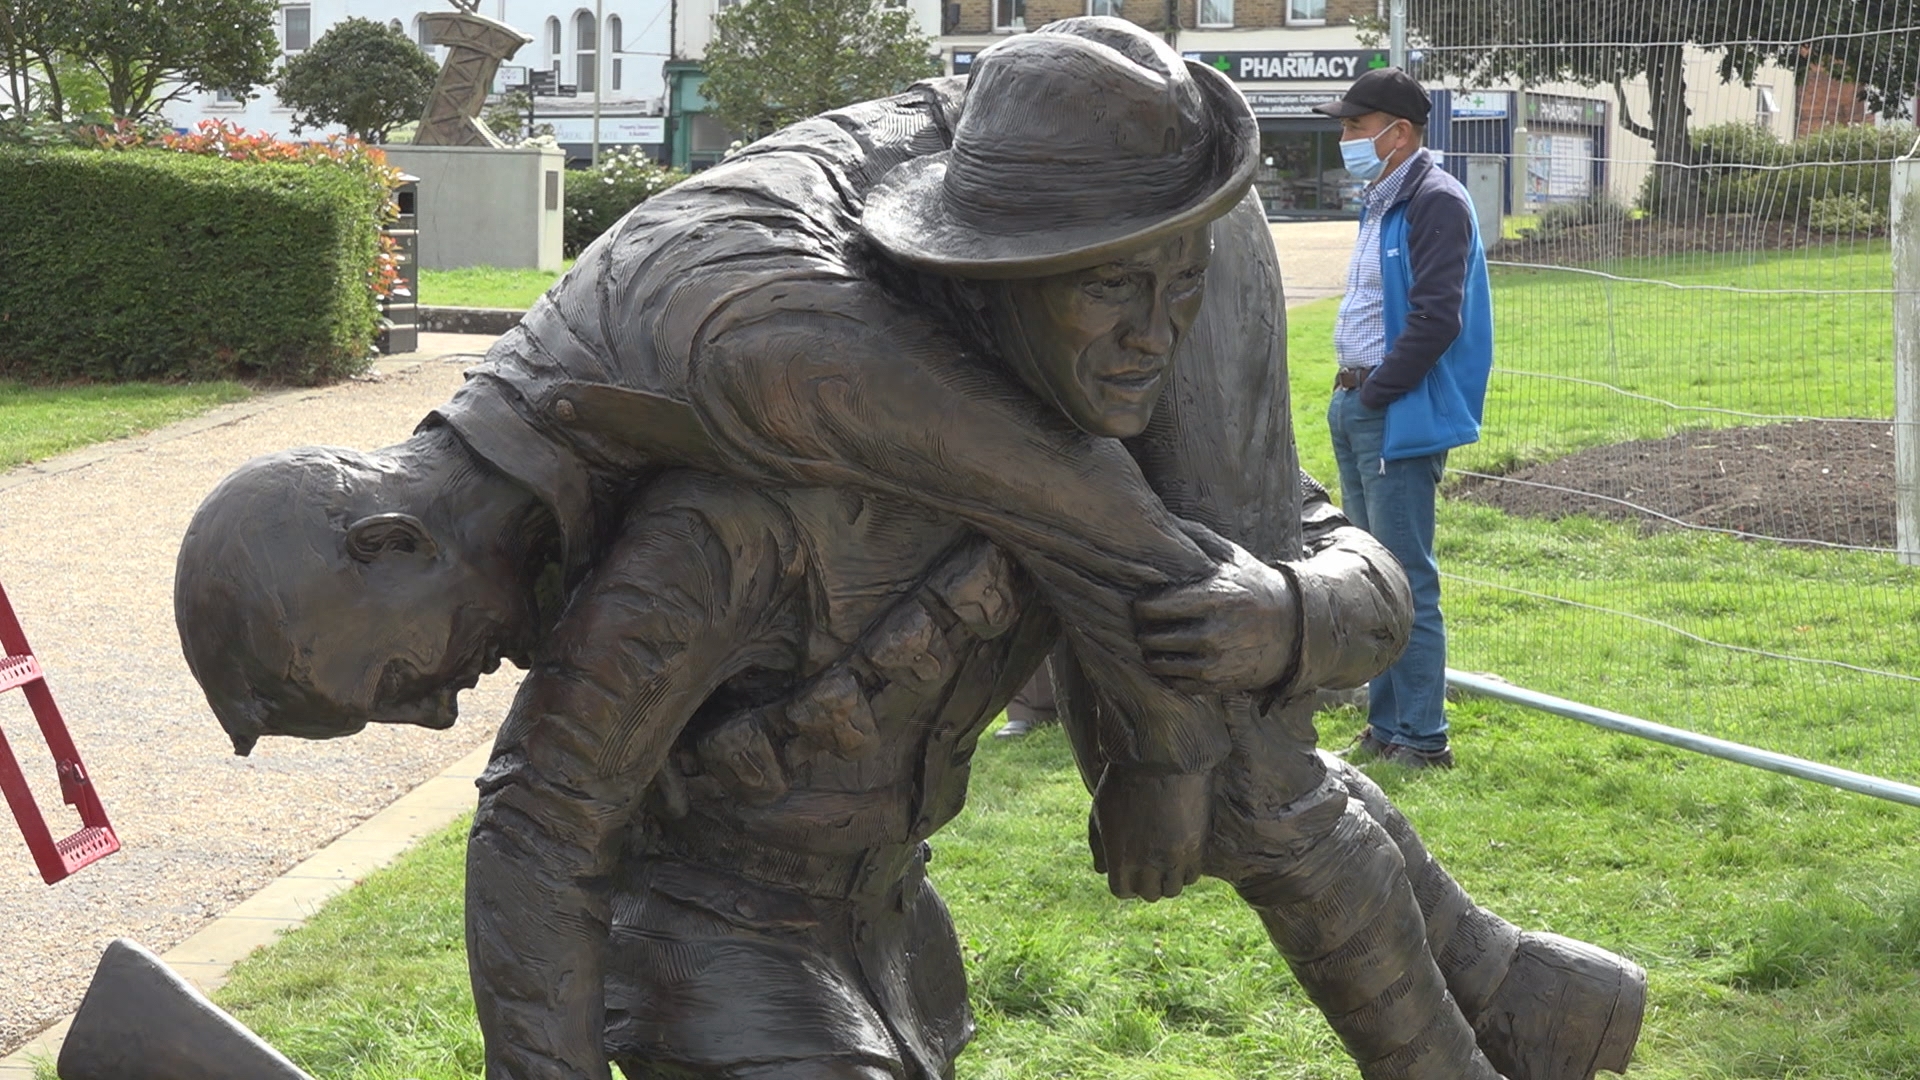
(1365, 747)
(1566, 1010)
(1408, 757)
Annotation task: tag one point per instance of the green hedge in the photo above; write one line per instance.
(154, 265)
(598, 197)
(1821, 174)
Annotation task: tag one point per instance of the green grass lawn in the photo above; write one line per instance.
(485, 286)
(40, 421)
(1780, 923)
(1824, 352)
(1816, 355)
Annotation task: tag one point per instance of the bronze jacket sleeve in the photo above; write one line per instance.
(827, 382)
(685, 598)
(1352, 591)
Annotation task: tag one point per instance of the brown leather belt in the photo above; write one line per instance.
(1351, 378)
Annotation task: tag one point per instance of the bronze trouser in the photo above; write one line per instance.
(1292, 831)
(1473, 946)
(1331, 887)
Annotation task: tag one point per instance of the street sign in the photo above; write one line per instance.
(569, 89)
(544, 82)
(1294, 65)
(513, 77)
(614, 130)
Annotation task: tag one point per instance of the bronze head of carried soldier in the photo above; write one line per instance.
(781, 494)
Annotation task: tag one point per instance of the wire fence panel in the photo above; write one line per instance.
(1687, 473)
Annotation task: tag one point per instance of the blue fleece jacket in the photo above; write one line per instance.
(1438, 309)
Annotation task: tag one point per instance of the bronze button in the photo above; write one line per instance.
(564, 410)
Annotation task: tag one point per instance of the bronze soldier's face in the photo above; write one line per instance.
(1098, 343)
(395, 641)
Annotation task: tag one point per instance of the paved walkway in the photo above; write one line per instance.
(221, 854)
(87, 543)
(1313, 257)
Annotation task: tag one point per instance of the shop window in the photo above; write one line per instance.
(1216, 13)
(296, 28)
(707, 135)
(1009, 15)
(1301, 175)
(1306, 12)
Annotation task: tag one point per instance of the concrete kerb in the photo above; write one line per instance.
(206, 958)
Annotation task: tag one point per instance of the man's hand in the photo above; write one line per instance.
(1237, 630)
(1149, 830)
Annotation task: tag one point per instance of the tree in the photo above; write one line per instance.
(34, 35)
(772, 62)
(150, 52)
(1610, 42)
(363, 75)
(1875, 44)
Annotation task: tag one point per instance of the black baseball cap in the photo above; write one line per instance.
(1387, 90)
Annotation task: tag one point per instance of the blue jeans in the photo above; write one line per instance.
(1393, 500)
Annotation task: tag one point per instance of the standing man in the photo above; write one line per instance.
(1415, 343)
(1033, 707)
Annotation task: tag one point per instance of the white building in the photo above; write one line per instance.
(629, 48)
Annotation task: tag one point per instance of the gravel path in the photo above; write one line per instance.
(87, 543)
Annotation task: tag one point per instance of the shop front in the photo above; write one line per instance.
(1566, 149)
(1301, 175)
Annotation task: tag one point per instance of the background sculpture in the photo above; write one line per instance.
(476, 47)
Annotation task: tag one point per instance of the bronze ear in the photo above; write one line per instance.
(371, 537)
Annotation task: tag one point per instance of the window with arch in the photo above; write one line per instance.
(553, 44)
(614, 49)
(586, 43)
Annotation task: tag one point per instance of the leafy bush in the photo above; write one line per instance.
(600, 196)
(151, 265)
(1561, 217)
(1844, 214)
(1747, 171)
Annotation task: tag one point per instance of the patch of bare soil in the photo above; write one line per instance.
(1826, 481)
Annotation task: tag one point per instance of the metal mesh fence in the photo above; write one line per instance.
(1687, 477)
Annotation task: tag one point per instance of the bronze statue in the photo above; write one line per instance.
(781, 493)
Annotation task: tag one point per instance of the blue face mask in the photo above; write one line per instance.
(1362, 157)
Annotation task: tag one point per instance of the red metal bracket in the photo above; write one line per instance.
(20, 670)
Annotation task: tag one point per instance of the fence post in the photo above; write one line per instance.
(1397, 34)
(1906, 353)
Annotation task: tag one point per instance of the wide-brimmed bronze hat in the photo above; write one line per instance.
(1078, 142)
